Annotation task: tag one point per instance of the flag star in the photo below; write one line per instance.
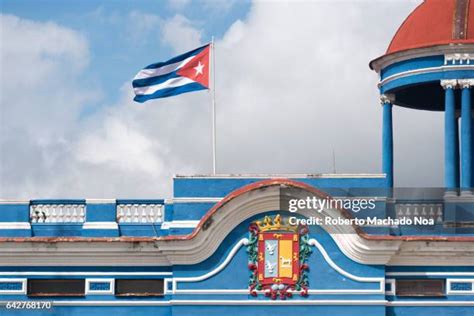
(198, 69)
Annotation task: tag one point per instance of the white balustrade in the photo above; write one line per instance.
(57, 213)
(426, 211)
(140, 213)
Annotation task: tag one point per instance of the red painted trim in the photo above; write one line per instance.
(245, 189)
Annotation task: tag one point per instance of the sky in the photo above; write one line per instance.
(292, 86)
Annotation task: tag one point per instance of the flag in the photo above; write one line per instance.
(185, 73)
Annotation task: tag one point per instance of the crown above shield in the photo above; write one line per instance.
(276, 223)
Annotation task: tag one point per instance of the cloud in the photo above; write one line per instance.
(180, 33)
(218, 6)
(48, 149)
(211, 6)
(293, 85)
(142, 26)
(117, 142)
(178, 4)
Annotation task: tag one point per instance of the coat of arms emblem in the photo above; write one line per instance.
(278, 254)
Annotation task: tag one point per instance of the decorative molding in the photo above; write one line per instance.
(419, 71)
(109, 291)
(100, 225)
(244, 241)
(387, 60)
(341, 271)
(387, 98)
(466, 83)
(450, 291)
(458, 58)
(449, 84)
(282, 175)
(13, 291)
(251, 200)
(15, 225)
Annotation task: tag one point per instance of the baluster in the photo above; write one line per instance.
(432, 213)
(64, 216)
(75, 217)
(439, 214)
(129, 214)
(33, 215)
(144, 217)
(152, 213)
(40, 214)
(82, 210)
(159, 213)
(120, 213)
(48, 211)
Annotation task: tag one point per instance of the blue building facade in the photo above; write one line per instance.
(272, 244)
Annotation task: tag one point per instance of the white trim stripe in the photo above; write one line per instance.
(170, 83)
(100, 225)
(15, 225)
(155, 72)
(196, 200)
(179, 224)
(381, 281)
(424, 71)
(244, 241)
(85, 273)
(428, 273)
(257, 302)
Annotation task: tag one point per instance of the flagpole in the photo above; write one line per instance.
(213, 106)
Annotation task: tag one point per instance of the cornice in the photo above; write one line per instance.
(383, 61)
(246, 202)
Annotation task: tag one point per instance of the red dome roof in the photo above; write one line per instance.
(436, 22)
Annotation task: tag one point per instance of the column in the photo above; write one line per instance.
(451, 181)
(457, 145)
(387, 138)
(466, 134)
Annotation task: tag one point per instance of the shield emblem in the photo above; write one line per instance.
(277, 258)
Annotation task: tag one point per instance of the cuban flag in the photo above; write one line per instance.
(184, 73)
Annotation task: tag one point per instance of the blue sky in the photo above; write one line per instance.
(120, 46)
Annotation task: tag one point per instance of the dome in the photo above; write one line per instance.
(435, 22)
